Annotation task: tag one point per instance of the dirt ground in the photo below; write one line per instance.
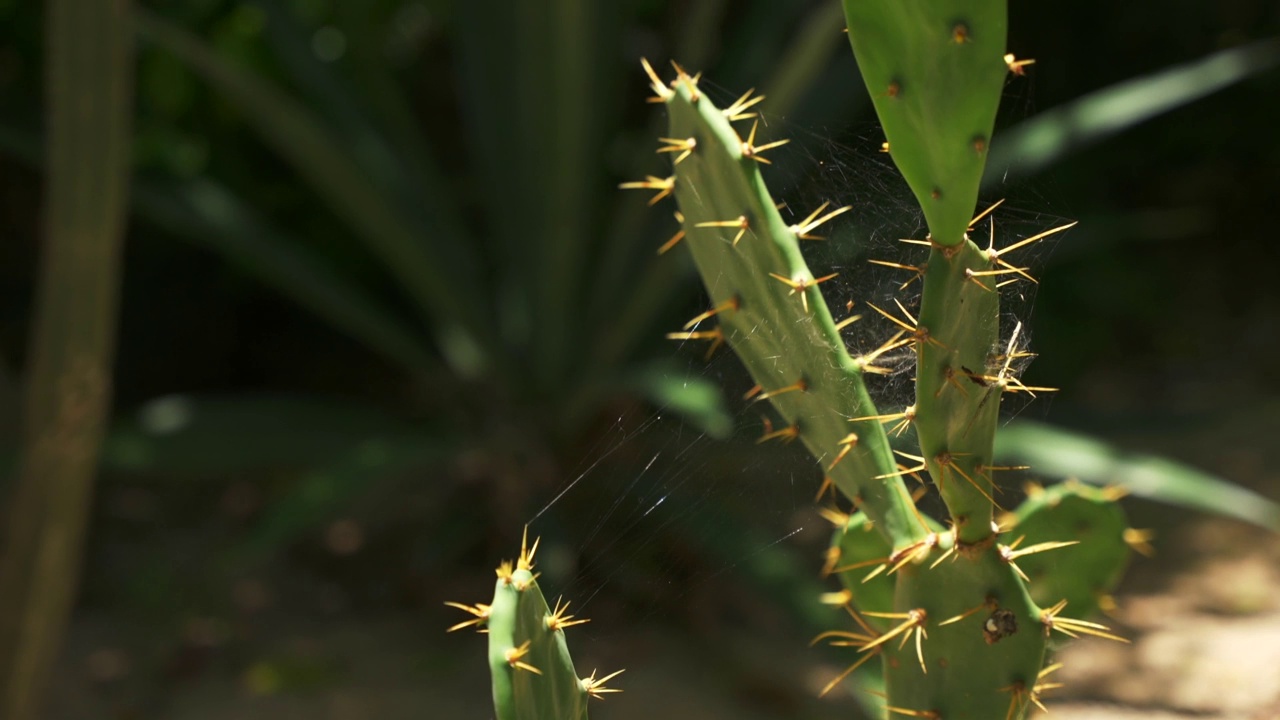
(1204, 619)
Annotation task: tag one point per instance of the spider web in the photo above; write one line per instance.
(689, 512)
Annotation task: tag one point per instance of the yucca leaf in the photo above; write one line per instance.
(68, 379)
(1054, 134)
(1056, 452)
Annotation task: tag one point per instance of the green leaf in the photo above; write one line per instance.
(1061, 453)
(1052, 135)
(697, 399)
(207, 213)
(804, 59)
(89, 98)
(442, 291)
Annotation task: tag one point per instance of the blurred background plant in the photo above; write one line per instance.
(383, 301)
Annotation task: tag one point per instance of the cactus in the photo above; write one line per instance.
(959, 618)
(533, 675)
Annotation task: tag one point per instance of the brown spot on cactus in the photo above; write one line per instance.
(1001, 624)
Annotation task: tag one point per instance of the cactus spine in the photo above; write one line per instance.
(533, 675)
(953, 613)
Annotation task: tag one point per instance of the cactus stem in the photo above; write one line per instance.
(514, 658)
(734, 303)
(479, 610)
(661, 92)
(684, 146)
(750, 150)
(801, 285)
(803, 228)
(1016, 66)
(559, 619)
(1072, 627)
(737, 111)
(595, 687)
(739, 222)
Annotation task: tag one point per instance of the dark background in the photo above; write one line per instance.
(284, 503)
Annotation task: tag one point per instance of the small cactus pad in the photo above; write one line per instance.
(1082, 574)
(533, 675)
(935, 71)
(856, 551)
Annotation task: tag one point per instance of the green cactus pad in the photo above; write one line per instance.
(533, 675)
(1082, 574)
(935, 71)
(773, 314)
(978, 666)
(858, 548)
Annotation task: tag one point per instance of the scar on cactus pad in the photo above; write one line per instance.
(533, 675)
(958, 622)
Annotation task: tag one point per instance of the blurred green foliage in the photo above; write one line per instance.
(405, 289)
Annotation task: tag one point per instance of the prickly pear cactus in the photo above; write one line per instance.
(533, 675)
(959, 616)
